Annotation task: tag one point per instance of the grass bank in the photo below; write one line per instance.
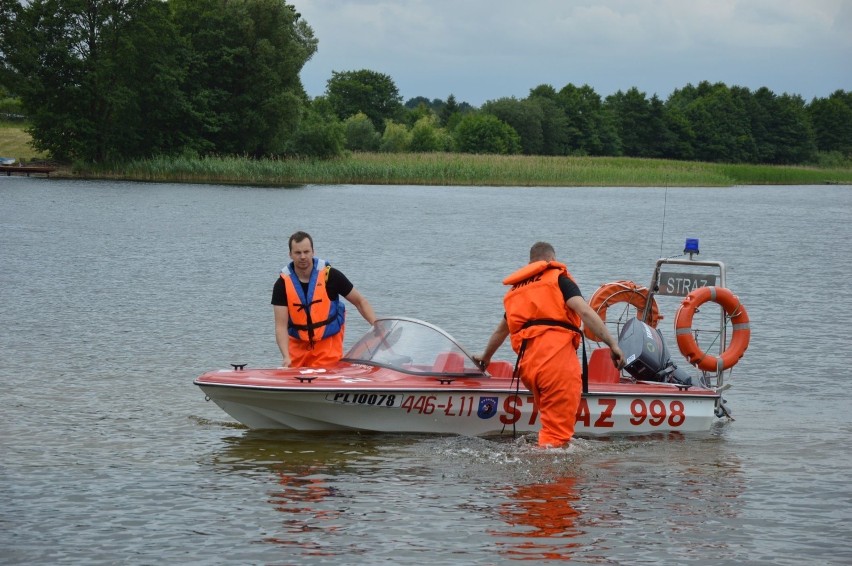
(466, 169)
(15, 142)
(436, 169)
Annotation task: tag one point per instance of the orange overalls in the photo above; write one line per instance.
(545, 334)
(316, 324)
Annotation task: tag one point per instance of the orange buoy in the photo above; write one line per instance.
(621, 292)
(733, 309)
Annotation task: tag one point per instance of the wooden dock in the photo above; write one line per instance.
(26, 170)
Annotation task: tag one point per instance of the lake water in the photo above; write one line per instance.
(114, 296)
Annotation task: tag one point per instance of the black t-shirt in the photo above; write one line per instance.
(336, 286)
(568, 287)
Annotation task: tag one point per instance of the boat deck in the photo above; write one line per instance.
(366, 378)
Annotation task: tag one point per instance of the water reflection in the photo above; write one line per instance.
(580, 504)
(547, 514)
(303, 497)
(307, 481)
(271, 450)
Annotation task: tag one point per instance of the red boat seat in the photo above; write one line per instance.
(449, 362)
(501, 368)
(601, 368)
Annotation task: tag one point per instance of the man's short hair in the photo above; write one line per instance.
(542, 251)
(298, 237)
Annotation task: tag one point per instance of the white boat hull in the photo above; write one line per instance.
(623, 410)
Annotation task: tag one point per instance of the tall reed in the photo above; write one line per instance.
(463, 169)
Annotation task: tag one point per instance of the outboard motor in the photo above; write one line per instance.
(647, 358)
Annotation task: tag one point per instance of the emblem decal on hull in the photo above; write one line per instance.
(487, 407)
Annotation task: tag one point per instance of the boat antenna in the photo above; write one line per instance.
(665, 202)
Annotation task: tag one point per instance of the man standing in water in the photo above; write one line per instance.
(544, 308)
(309, 315)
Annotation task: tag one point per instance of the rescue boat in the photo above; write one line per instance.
(410, 376)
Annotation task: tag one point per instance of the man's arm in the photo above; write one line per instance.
(282, 316)
(363, 305)
(593, 321)
(494, 342)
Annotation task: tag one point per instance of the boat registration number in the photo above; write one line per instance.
(368, 399)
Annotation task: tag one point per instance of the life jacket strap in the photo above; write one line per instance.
(311, 326)
(550, 322)
(561, 324)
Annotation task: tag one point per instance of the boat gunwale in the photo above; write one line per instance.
(643, 389)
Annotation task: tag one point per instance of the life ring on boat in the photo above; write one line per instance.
(621, 292)
(733, 309)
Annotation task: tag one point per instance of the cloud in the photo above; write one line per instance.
(480, 50)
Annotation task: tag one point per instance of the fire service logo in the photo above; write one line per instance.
(487, 407)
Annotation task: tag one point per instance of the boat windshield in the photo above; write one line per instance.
(412, 346)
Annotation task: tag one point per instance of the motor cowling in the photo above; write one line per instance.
(647, 357)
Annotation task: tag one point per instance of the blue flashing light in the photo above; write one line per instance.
(691, 246)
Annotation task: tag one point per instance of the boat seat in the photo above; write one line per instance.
(501, 368)
(449, 362)
(601, 368)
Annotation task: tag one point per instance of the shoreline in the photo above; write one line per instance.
(452, 169)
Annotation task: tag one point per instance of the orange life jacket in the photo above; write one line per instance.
(535, 305)
(312, 316)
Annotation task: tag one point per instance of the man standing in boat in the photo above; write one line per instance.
(310, 318)
(544, 308)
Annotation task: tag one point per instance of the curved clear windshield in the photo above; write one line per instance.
(412, 346)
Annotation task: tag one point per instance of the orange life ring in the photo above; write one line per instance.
(739, 319)
(621, 292)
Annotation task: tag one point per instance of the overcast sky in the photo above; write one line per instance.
(483, 50)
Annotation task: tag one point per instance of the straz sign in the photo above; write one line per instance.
(682, 284)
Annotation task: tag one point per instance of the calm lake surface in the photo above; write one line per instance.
(114, 296)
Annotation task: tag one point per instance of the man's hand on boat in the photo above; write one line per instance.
(617, 357)
(386, 339)
(480, 362)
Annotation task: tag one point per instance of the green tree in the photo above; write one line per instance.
(427, 136)
(370, 92)
(414, 115)
(361, 135)
(662, 139)
(544, 91)
(781, 128)
(10, 11)
(396, 138)
(243, 80)
(642, 124)
(413, 103)
(719, 121)
(678, 122)
(792, 131)
(319, 135)
(832, 121)
(592, 127)
(525, 117)
(678, 143)
(632, 113)
(485, 133)
(448, 110)
(555, 127)
(114, 80)
(99, 81)
(760, 106)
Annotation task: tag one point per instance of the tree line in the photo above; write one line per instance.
(114, 80)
